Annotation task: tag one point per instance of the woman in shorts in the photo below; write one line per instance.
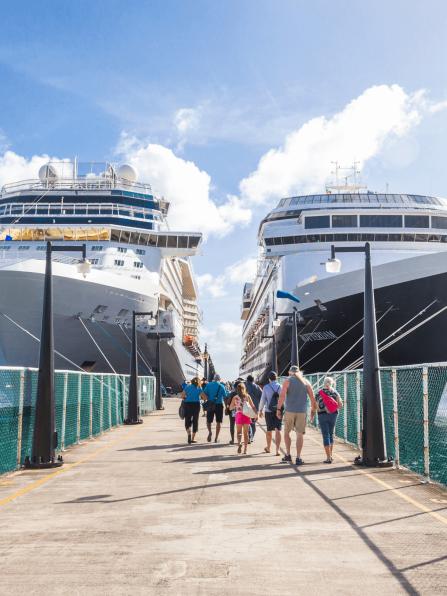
(242, 421)
(273, 422)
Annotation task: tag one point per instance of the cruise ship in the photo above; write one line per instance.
(408, 238)
(138, 264)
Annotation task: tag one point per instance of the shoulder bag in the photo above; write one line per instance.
(210, 406)
(181, 410)
(247, 410)
(329, 402)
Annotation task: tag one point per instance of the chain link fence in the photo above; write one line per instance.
(414, 409)
(86, 405)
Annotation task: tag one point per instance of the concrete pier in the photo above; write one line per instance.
(139, 511)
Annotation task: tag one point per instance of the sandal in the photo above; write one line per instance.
(239, 449)
(266, 450)
(210, 436)
(193, 441)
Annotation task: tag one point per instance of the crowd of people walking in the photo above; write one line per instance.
(285, 408)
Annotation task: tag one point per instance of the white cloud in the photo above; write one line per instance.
(14, 168)
(239, 273)
(186, 187)
(212, 285)
(186, 119)
(224, 342)
(364, 128)
(243, 271)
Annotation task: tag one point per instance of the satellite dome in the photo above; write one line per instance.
(128, 172)
(49, 170)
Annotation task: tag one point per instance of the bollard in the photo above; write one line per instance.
(359, 426)
(345, 410)
(426, 451)
(64, 411)
(78, 421)
(396, 420)
(19, 431)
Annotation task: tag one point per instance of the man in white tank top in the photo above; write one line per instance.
(295, 391)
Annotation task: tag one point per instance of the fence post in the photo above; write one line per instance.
(345, 412)
(117, 402)
(19, 430)
(110, 404)
(396, 420)
(123, 386)
(318, 389)
(91, 409)
(359, 429)
(78, 421)
(426, 452)
(64, 411)
(101, 412)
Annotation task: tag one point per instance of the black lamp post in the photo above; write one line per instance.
(294, 360)
(205, 357)
(43, 453)
(274, 365)
(373, 440)
(133, 406)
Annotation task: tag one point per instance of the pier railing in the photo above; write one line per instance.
(415, 413)
(86, 405)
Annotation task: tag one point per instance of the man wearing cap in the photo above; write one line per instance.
(214, 391)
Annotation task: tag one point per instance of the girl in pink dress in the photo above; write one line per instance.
(242, 421)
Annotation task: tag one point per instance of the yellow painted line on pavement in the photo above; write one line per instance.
(389, 487)
(25, 490)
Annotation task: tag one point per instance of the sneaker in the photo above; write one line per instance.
(231, 442)
(328, 461)
(210, 436)
(287, 458)
(299, 461)
(217, 440)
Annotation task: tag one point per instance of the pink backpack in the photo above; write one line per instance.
(329, 402)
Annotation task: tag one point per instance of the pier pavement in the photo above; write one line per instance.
(138, 511)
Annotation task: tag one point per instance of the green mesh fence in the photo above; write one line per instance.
(414, 410)
(86, 405)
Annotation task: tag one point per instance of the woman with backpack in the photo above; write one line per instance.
(191, 395)
(241, 401)
(328, 404)
(269, 400)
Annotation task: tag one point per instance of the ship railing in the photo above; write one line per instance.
(96, 183)
(8, 258)
(81, 210)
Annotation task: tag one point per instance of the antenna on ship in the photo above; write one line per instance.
(346, 188)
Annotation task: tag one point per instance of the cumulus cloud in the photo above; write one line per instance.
(362, 129)
(187, 188)
(238, 273)
(224, 340)
(14, 168)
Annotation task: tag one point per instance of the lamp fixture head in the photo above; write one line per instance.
(276, 323)
(84, 267)
(333, 265)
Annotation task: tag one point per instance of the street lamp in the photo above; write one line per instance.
(205, 357)
(274, 367)
(294, 360)
(45, 441)
(373, 439)
(133, 405)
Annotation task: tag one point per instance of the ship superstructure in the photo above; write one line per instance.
(408, 236)
(138, 264)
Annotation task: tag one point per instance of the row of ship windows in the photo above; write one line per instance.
(119, 263)
(58, 209)
(313, 222)
(369, 197)
(121, 236)
(280, 240)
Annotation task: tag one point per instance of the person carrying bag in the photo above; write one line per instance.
(328, 404)
(213, 396)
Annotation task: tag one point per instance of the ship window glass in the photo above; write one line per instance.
(143, 239)
(115, 235)
(54, 234)
(327, 237)
(104, 234)
(122, 249)
(287, 240)
(367, 237)
(300, 239)
(354, 237)
(8, 247)
(172, 241)
(97, 248)
(27, 234)
(314, 238)
(380, 221)
(41, 248)
(408, 237)
(183, 241)
(15, 233)
(439, 222)
(443, 238)
(340, 237)
(317, 222)
(134, 236)
(69, 235)
(417, 221)
(152, 241)
(394, 237)
(3, 234)
(138, 265)
(92, 235)
(194, 241)
(38, 235)
(421, 237)
(81, 235)
(277, 241)
(294, 201)
(124, 236)
(140, 251)
(80, 210)
(381, 237)
(161, 241)
(434, 238)
(124, 212)
(281, 202)
(24, 247)
(94, 261)
(344, 221)
(118, 263)
(269, 241)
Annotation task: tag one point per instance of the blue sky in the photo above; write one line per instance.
(227, 106)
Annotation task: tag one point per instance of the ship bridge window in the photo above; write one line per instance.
(317, 222)
(125, 234)
(380, 221)
(182, 241)
(344, 221)
(134, 236)
(194, 241)
(152, 240)
(439, 222)
(417, 221)
(172, 241)
(161, 241)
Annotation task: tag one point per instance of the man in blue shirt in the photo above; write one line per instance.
(214, 391)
